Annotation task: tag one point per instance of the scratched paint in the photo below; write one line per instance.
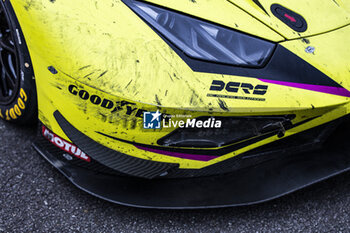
(104, 48)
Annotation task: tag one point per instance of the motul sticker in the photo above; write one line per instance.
(64, 145)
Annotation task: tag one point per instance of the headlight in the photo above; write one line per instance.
(206, 41)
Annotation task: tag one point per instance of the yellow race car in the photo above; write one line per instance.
(181, 103)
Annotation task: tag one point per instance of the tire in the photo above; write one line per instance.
(18, 99)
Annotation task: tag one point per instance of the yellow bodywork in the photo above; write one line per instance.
(102, 47)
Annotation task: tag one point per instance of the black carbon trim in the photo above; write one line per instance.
(59, 154)
(113, 159)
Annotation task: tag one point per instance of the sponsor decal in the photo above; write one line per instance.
(64, 145)
(236, 87)
(153, 120)
(113, 106)
(17, 110)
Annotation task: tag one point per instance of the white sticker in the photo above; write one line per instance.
(18, 36)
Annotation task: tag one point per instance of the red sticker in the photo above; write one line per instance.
(64, 145)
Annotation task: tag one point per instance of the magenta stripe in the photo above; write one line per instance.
(179, 155)
(324, 89)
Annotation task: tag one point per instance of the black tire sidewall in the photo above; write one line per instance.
(26, 94)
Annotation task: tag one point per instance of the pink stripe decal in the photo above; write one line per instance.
(324, 89)
(204, 158)
(291, 18)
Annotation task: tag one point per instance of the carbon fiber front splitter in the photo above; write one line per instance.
(252, 185)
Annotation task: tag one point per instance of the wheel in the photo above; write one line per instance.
(18, 101)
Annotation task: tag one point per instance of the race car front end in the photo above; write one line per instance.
(159, 106)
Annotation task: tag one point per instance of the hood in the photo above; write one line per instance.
(320, 15)
(259, 18)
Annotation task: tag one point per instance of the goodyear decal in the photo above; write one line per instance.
(113, 106)
(17, 110)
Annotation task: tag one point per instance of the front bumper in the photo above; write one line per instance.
(261, 181)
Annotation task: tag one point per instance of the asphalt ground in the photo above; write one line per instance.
(34, 197)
